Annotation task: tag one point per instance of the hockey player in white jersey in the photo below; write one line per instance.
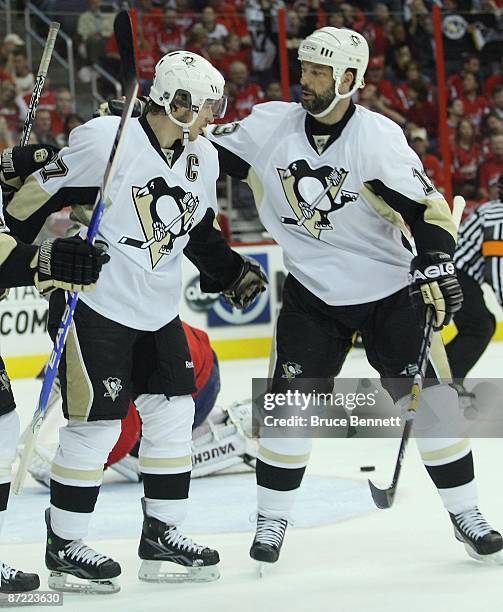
(70, 264)
(338, 188)
(163, 205)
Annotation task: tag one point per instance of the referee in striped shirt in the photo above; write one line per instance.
(478, 259)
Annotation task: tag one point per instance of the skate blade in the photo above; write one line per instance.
(495, 558)
(150, 571)
(58, 581)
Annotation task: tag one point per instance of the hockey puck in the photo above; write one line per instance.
(367, 468)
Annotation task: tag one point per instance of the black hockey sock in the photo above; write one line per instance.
(73, 499)
(453, 474)
(278, 479)
(166, 486)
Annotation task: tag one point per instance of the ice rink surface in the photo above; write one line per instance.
(342, 554)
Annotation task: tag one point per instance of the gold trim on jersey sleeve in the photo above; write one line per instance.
(256, 186)
(7, 245)
(438, 213)
(386, 211)
(28, 200)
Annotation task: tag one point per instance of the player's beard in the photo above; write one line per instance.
(319, 102)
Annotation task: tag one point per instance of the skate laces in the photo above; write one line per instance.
(270, 531)
(7, 572)
(473, 524)
(79, 551)
(174, 537)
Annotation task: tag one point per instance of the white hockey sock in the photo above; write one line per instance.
(169, 511)
(458, 499)
(275, 504)
(70, 525)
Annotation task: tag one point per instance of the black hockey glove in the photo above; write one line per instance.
(19, 162)
(433, 282)
(116, 106)
(250, 282)
(68, 263)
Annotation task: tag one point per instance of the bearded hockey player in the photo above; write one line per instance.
(337, 186)
(69, 264)
(163, 203)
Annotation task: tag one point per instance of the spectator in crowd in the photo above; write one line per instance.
(185, 16)
(12, 107)
(94, 27)
(471, 64)
(492, 167)
(248, 94)
(491, 126)
(353, 17)
(216, 52)
(336, 19)
(494, 80)
(6, 136)
(149, 19)
(12, 42)
(65, 105)
(171, 36)
(231, 13)
(273, 93)
(370, 97)
(421, 112)
(263, 50)
(420, 28)
(375, 76)
(497, 101)
(412, 74)
(198, 40)
(215, 30)
(418, 138)
(376, 30)
(22, 74)
(475, 105)
(399, 54)
(235, 52)
(466, 158)
(456, 114)
(42, 128)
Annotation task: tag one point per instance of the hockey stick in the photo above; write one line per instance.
(124, 36)
(458, 205)
(383, 498)
(39, 82)
(314, 204)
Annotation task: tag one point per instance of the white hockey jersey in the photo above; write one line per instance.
(338, 209)
(155, 201)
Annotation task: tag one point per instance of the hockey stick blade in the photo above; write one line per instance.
(383, 498)
(125, 42)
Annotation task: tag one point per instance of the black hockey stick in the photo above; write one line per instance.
(123, 31)
(384, 498)
(39, 82)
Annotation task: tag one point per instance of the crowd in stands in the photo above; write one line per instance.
(240, 37)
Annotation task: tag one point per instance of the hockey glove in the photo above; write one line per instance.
(433, 282)
(250, 282)
(19, 162)
(116, 106)
(68, 263)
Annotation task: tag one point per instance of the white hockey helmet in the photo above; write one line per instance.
(341, 49)
(188, 80)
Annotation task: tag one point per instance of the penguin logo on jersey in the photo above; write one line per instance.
(165, 214)
(314, 193)
(291, 370)
(4, 381)
(113, 387)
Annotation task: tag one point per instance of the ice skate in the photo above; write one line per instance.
(161, 542)
(481, 541)
(75, 567)
(15, 581)
(268, 541)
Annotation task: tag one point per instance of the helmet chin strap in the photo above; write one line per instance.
(185, 126)
(338, 96)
